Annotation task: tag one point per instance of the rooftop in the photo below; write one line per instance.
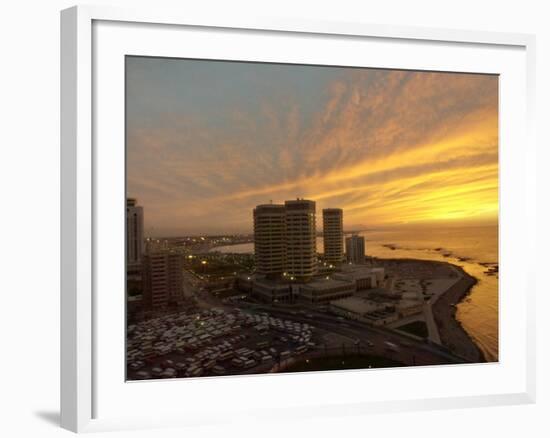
(357, 304)
(326, 283)
(358, 271)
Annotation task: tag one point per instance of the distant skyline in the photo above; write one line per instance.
(209, 140)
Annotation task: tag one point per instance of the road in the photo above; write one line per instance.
(409, 351)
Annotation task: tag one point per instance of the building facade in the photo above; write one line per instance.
(134, 232)
(355, 249)
(301, 248)
(364, 277)
(326, 290)
(333, 235)
(162, 278)
(270, 239)
(272, 292)
(285, 240)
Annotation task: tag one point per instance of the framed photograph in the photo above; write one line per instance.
(280, 217)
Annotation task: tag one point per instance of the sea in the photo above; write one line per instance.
(471, 247)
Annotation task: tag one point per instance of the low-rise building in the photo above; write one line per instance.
(355, 305)
(407, 307)
(271, 291)
(362, 309)
(364, 277)
(325, 290)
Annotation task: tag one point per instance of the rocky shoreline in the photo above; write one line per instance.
(452, 333)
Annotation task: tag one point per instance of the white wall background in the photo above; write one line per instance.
(29, 219)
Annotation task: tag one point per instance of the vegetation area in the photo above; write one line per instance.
(219, 266)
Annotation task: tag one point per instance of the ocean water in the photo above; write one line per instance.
(469, 247)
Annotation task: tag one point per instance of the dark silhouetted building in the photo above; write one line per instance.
(333, 235)
(162, 279)
(134, 232)
(270, 239)
(301, 251)
(355, 249)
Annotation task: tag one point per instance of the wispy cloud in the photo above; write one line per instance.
(387, 146)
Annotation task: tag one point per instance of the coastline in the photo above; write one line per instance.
(453, 335)
(451, 332)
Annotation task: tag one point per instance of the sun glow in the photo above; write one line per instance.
(388, 147)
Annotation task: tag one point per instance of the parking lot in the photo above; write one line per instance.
(213, 342)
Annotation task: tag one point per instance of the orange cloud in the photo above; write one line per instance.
(387, 146)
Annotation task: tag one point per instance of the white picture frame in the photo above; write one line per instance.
(84, 176)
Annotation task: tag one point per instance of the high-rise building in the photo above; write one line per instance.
(355, 249)
(134, 232)
(333, 235)
(163, 278)
(301, 254)
(270, 239)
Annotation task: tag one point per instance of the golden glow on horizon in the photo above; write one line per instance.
(462, 192)
(403, 147)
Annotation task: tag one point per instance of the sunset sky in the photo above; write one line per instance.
(207, 141)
